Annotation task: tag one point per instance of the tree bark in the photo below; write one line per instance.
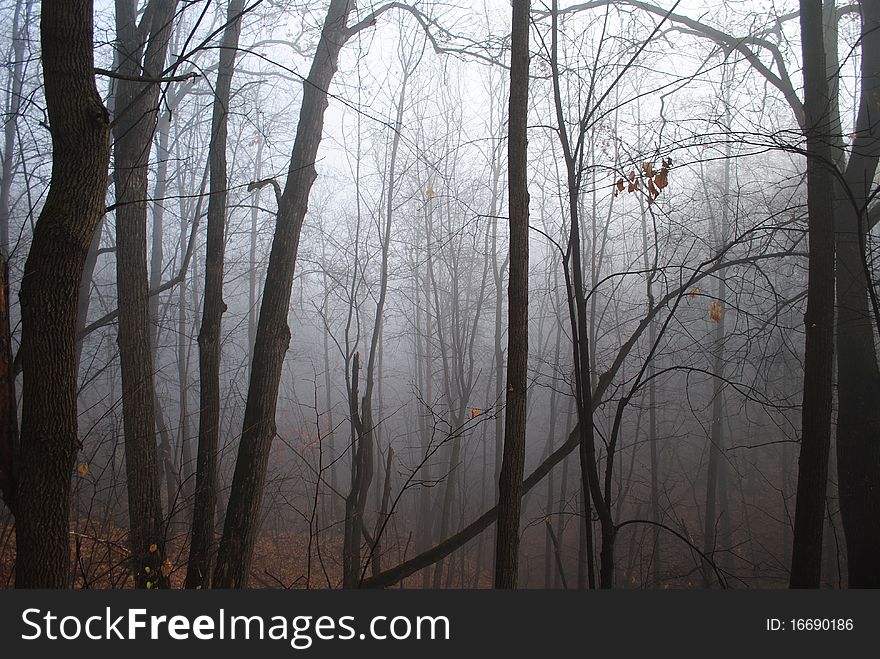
(806, 562)
(858, 418)
(49, 294)
(513, 459)
(273, 333)
(136, 109)
(202, 538)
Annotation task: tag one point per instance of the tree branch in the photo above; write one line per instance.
(472, 530)
(426, 24)
(108, 318)
(723, 39)
(122, 76)
(259, 185)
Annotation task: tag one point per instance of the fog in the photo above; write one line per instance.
(675, 134)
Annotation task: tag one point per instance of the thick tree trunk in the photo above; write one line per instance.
(273, 334)
(513, 461)
(806, 563)
(49, 294)
(202, 538)
(858, 419)
(136, 107)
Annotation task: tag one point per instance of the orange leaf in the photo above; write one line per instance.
(716, 311)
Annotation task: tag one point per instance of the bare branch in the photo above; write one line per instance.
(259, 185)
(782, 82)
(121, 76)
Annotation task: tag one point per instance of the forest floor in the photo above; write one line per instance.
(99, 556)
(285, 559)
(282, 559)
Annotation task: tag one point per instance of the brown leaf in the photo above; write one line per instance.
(662, 179)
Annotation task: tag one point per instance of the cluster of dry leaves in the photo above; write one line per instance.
(651, 180)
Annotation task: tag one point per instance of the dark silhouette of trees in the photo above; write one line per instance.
(858, 377)
(273, 334)
(205, 505)
(510, 484)
(49, 438)
(142, 53)
(809, 520)
(666, 323)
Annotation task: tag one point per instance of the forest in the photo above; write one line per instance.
(422, 294)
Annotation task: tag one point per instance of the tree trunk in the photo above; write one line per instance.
(202, 539)
(49, 294)
(273, 333)
(136, 107)
(513, 460)
(806, 562)
(858, 419)
(592, 491)
(160, 190)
